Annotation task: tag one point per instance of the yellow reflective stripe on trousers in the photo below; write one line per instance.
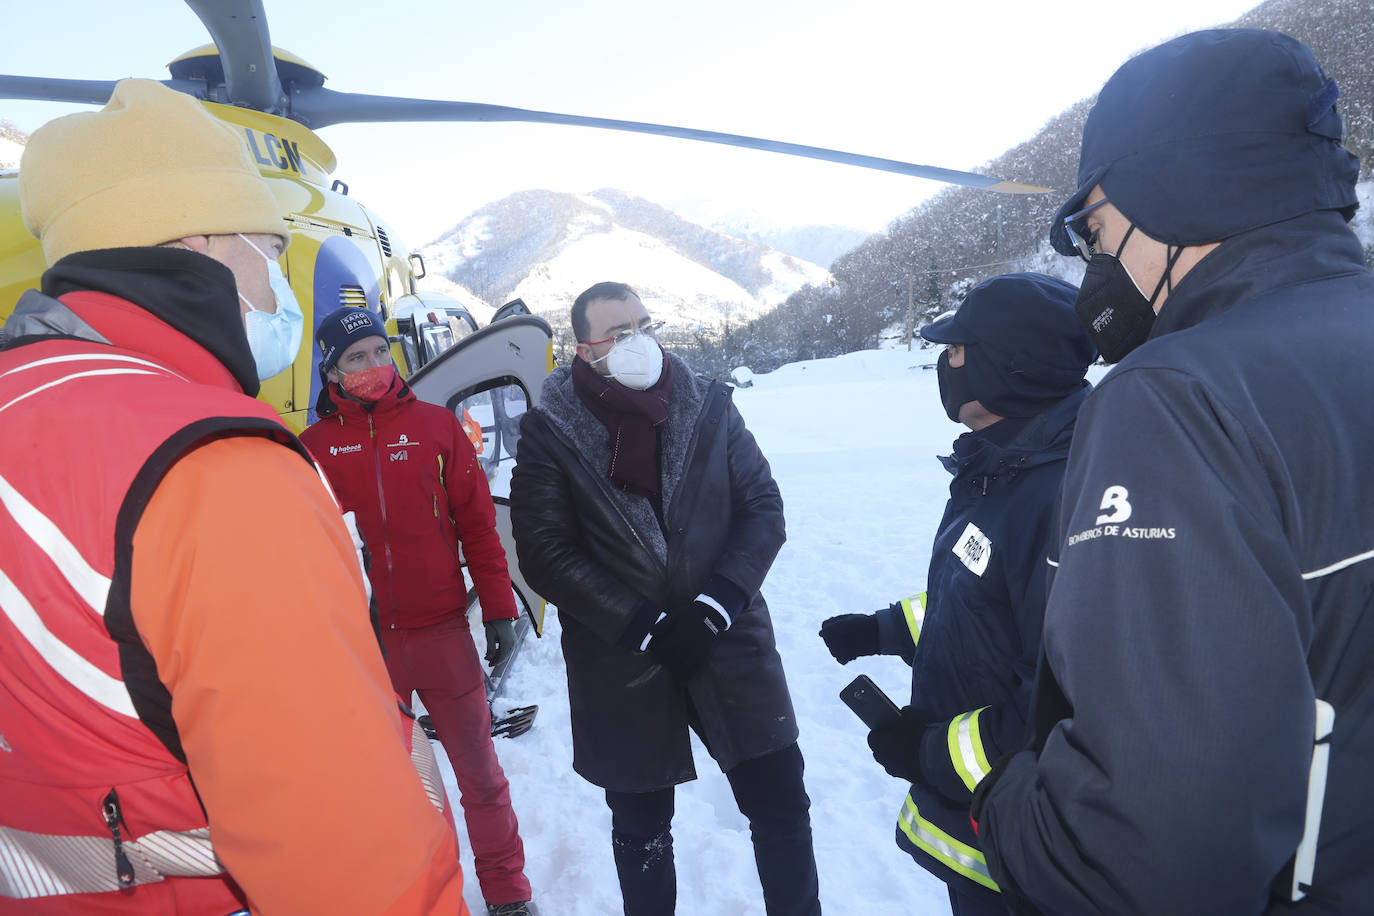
(915, 616)
(966, 749)
(961, 857)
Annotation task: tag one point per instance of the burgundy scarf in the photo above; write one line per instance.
(632, 419)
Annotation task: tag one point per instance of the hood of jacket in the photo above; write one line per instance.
(193, 294)
(985, 459)
(132, 298)
(1247, 266)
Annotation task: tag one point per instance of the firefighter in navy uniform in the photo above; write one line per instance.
(1204, 708)
(1013, 373)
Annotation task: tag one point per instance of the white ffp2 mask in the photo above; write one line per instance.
(636, 363)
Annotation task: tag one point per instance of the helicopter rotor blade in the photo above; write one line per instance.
(323, 107)
(82, 92)
(239, 31)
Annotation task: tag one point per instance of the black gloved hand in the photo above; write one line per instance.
(849, 636)
(897, 747)
(682, 641)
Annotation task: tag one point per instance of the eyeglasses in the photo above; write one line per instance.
(1077, 229)
(651, 329)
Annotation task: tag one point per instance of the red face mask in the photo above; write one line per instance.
(368, 384)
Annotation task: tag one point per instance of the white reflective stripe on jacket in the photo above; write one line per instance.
(45, 864)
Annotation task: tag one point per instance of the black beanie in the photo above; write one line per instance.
(340, 329)
(1024, 347)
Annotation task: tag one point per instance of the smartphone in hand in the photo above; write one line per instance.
(870, 703)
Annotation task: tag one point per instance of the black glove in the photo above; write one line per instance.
(500, 640)
(850, 635)
(898, 746)
(682, 641)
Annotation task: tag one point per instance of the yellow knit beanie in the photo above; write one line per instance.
(149, 167)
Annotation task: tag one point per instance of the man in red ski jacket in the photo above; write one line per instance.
(409, 472)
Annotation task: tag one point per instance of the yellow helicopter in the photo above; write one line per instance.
(344, 254)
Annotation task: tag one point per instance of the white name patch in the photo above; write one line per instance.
(973, 549)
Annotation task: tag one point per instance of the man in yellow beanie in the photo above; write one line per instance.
(178, 593)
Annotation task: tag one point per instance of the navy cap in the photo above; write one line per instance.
(1213, 134)
(340, 329)
(1026, 347)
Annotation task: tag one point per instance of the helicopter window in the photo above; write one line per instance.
(408, 348)
(440, 331)
(491, 416)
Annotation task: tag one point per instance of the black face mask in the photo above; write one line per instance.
(1115, 313)
(954, 387)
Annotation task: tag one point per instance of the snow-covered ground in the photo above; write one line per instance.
(852, 442)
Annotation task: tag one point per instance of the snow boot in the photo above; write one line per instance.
(520, 908)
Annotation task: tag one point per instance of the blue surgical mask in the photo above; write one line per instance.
(274, 337)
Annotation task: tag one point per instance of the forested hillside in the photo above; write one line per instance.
(931, 256)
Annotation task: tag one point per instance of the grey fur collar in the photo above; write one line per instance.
(560, 403)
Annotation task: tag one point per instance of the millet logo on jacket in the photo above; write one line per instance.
(340, 449)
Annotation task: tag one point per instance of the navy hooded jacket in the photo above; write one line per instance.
(1215, 577)
(976, 649)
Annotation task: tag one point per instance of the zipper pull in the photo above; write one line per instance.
(371, 430)
(113, 817)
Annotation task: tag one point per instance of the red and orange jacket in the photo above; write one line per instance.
(409, 472)
(177, 595)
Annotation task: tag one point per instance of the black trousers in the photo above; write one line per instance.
(769, 792)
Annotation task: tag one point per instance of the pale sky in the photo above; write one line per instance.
(926, 81)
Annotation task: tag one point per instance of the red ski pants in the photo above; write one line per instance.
(440, 663)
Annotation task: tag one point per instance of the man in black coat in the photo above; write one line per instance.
(1204, 709)
(642, 507)
(1012, 373)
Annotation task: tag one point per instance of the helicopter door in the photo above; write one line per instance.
(489, 379)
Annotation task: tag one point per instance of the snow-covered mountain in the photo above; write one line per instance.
(817, 244)
(546, 247)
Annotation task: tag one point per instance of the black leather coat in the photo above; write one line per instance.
(598, 553)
